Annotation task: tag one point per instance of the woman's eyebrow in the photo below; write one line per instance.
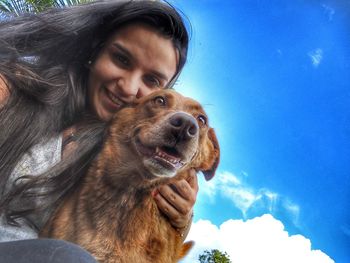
(123, 49)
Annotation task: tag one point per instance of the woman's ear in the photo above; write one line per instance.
(96, 48)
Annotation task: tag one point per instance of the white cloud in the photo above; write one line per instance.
(247, 199)
(262, 239)
(329, 11)
(316, 57)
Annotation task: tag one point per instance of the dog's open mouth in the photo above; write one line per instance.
(168, 157)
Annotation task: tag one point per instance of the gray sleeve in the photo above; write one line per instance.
(40, 158)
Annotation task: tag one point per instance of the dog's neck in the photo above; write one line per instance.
(128, 186)
(130, 194)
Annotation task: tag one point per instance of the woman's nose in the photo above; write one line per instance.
(129, 88)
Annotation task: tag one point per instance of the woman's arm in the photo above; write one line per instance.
(177, 201)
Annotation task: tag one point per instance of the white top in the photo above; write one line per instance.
(38, 160)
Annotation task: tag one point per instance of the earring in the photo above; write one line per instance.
(88, 64)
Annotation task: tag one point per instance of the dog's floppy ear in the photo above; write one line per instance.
(214, 155)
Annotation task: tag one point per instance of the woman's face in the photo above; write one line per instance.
(135, 61)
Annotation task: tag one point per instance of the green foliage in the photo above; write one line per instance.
(62, 3)
(214, 256)
(17, 7)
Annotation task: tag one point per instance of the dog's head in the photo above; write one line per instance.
(168, 133)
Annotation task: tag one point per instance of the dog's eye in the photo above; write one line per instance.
(202, 119)
(159, 101)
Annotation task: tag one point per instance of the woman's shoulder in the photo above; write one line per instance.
(4, 89)
(40, 157)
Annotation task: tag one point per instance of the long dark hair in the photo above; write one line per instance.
(43, 58)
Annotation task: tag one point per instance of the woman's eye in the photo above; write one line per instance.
(152, 82)
(159, 101)
(122, 60)
(202, 119)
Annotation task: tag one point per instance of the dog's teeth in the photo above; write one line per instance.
(165, 157)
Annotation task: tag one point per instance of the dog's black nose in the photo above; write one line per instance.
(183, 126)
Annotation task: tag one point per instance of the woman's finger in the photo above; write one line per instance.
(175, 217)
(174, 198)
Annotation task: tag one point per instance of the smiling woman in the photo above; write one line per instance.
(88, 62)
(123, 70)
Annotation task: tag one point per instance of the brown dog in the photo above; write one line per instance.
(112, 214)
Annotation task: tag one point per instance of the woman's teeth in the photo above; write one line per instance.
(114, 98)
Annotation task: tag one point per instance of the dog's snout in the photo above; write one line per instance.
(183, 125)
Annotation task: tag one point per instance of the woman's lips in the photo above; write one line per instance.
(115, 102)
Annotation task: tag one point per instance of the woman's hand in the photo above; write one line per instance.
(176, 201)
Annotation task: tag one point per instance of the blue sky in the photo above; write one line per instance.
(274, 78)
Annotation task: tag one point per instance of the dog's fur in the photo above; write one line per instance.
(112, 214)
